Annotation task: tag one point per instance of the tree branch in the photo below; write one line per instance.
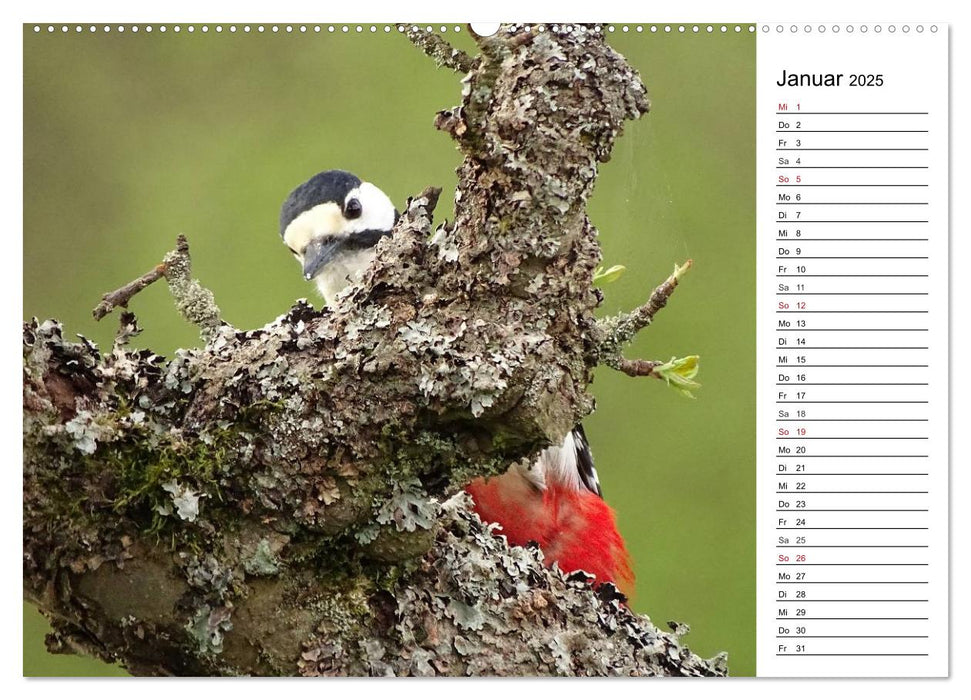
(438, 48)
(617, 331)
(196, 303)
(123, 295)
(281, 501)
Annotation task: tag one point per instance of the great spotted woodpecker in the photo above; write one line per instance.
(332, 223)
(557, 503)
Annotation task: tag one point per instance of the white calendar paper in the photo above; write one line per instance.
(853, 309)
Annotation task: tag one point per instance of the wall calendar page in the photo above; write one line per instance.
(485, 350)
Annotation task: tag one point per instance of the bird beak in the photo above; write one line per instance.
(319, 252)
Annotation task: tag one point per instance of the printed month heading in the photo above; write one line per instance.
(828, 79)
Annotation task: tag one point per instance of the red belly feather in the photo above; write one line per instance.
(574, 528)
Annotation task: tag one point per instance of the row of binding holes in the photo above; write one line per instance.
(682, 29)
(640, 29)
(246, 28)
(849, 28)
(373, 29)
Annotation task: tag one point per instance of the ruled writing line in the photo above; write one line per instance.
(800, 113)
(851, 221)
(851, 167)
(848, 330)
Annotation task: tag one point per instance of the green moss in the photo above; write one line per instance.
(141, 473)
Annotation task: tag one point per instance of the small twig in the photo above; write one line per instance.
(677, 373)
(196, 303)
(121, 297)
(642, 316)
(617, 331)
(435, 46)
(637, 368)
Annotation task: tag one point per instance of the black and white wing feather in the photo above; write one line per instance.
(569, 465)
(584, 461)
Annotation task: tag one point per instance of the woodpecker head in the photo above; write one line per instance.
(331, 224)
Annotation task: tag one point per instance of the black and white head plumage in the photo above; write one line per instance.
(569, 465)
(331, 223)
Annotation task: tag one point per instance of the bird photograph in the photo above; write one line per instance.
(388, 350)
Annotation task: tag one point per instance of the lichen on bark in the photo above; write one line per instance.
(283, 500)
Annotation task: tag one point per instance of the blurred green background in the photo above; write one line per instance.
(130, 139)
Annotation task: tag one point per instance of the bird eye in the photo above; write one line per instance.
(352, 209)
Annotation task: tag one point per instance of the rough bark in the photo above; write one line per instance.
(282, 500)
